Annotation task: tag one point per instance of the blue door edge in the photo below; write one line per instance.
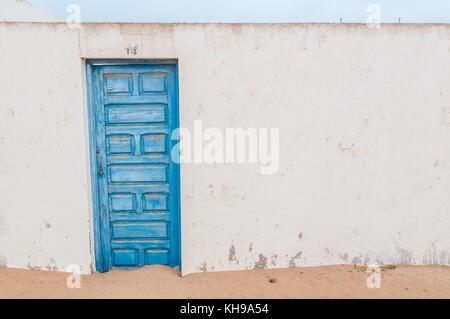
(100, 264)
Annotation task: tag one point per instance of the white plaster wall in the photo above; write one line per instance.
(44, 215)
(364, 118)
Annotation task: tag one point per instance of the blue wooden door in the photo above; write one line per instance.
(133, 110)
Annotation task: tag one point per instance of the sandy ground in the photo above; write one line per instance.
(164, 282)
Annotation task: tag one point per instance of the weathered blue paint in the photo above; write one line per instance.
(133, 108)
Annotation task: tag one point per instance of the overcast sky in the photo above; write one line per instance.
(419, 11)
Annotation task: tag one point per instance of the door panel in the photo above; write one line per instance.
(133, 173)
(134, 107)
(135, 114)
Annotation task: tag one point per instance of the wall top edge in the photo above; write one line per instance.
(227, 23)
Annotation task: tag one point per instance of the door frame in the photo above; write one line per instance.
(100, 265)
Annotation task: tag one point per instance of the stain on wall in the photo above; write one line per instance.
(261, 263)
